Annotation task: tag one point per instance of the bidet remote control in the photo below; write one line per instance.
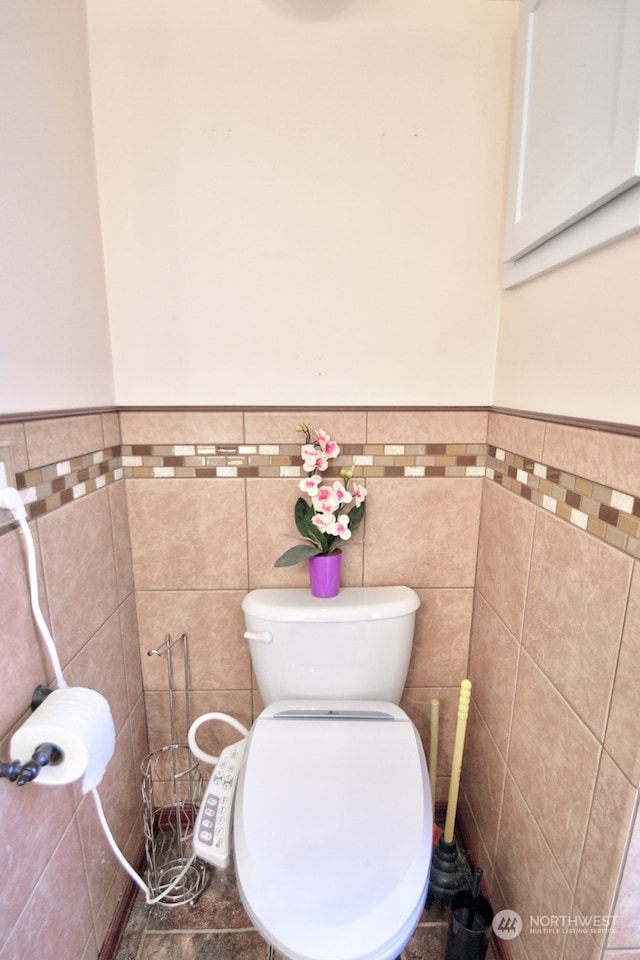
(212, 834)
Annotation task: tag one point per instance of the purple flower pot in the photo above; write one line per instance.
(324, 575)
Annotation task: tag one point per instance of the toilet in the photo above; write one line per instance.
(333, 816)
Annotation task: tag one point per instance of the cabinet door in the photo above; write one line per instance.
(576, 130)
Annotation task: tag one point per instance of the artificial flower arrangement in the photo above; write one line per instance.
(334, 511)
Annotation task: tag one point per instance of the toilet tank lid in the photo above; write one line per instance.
(351, 604)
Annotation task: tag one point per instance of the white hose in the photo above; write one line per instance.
(11, 500)
(193, 746)
(124, 863)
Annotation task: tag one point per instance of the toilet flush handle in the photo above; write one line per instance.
(265, 636)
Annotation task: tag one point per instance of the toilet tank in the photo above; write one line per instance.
(355, 646)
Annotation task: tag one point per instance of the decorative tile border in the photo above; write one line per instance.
(606, 513)
(611, 515)
(46, 488)
(283, 460)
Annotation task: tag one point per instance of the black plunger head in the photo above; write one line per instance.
(450, 872)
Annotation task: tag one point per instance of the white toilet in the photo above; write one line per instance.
(333, 816)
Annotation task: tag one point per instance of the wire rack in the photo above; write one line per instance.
(172, 788)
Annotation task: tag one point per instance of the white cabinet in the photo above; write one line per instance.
(574, 179)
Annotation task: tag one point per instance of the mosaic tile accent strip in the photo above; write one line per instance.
(611, 515)
(46, 488)
(283, 460)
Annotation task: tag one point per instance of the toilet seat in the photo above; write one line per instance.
(333, 829)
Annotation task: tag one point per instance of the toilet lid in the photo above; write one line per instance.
(333, 828)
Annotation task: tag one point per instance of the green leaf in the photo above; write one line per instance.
(296, 554)
(302, 514)
(356, 516)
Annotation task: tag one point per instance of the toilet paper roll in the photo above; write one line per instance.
(79, 722)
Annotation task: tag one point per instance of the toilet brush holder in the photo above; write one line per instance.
(469, 924)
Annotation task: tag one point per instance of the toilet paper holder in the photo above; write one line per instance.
(43, 755)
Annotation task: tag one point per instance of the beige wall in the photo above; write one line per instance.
(569, 341)
(301, 202)
(55, 350)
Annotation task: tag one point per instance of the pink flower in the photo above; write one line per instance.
(340, 528)
(359, 493)
(328, 446)
(325, 500)
(342, 495)
(313, 459)
(310, 485)
(323, 521)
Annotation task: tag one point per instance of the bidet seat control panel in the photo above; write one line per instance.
(212, 834)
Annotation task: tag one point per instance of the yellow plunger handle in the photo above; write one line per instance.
(433, 752)
(456, 762)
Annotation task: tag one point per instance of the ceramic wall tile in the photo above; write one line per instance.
(623, 727)
(626, 932)
(139, 733)
(554, 760)
(218, 654)
(181, 426)
(111, 429)
(70, 913)
(422, 528)
(483, 775)
(427, 426)
(14, 435)
(32, 822)
(79, 569)
(441, 638)
(576, 604)
(493, 665)
(504, 550)
(49, 441)
(529, 877)
(607, 836)
(188, 535)
(131, 650)
(423, 537)
(607, 458)
(343, 426)
(98, 861)
(99, 665)
(121, 540)
(21, 643)
(518, 434)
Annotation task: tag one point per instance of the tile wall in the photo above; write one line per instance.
(521, 538)
(59, 879)
(552, 767)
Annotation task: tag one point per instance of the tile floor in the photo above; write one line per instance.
(216, 927)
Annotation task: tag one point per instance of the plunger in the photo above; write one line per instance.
(450, 870)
